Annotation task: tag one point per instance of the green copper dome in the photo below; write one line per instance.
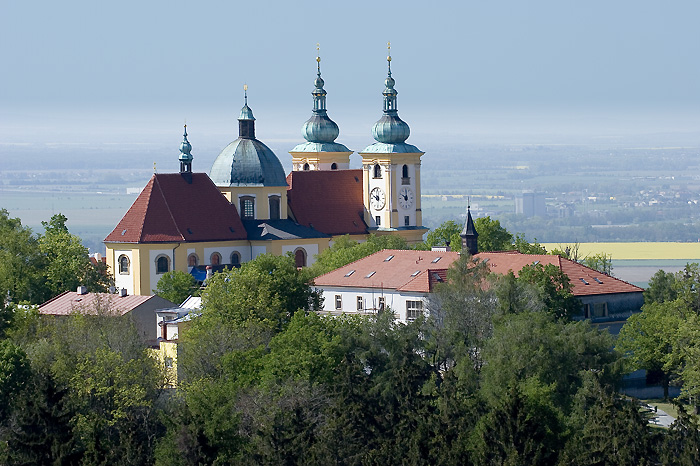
(247, 161)
(390, 131)
(320, 131)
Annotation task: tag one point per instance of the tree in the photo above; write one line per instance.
(67, 261)
(448, 231)
(553, 287)
(601, 262)
(21, 263)
(345, 250)
(662, 288)
(648, 339)
(176, 286)
(681, 446)
(492, 236)
(528, 248)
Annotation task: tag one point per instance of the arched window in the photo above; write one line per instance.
(306, 167)
(123, 265)
(405, 171)
(334, 166)
(377, 171)
(236, 258)
(274, 207)
(247, 207)
(300, 258)
(215, 259)
(162, 264)
(192, 260)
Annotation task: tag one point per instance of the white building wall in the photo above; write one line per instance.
(394, 300)
(124, 280)
(258, 250)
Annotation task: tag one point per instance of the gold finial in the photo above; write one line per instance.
(154, 167)
(318, 52)
(388, 47)
(245, 93)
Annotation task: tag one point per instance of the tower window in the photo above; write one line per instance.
(405, 179)
(247, 207)
(162, 264)
(123, 265)
(378, 220)
(235, 258)
(215, 259)
(377, 171)
(274, 207)
(334, 166)
(306, 167)
(406, 220)
(192, 260)
(300, 258)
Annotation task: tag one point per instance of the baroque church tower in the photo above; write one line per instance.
(320, 151)
(391, 173)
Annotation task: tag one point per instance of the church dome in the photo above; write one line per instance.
(319, 128)
(247, 161)
(390, 129)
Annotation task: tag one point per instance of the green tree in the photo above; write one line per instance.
(662, 288)
(524, 247)
(601, 262)
(492, 236)
(648, 339)
(681, 445)
(447, 231)
(21, 264)
(553, 287)
(68, 263)
(176, 286)
(345, 250)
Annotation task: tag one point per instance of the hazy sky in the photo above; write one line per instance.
(134, 70)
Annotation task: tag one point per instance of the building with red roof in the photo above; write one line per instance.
(403, 279)
(246, 206)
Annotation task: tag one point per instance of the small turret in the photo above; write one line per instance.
(246, 120)
(469, 234)
(186, 157)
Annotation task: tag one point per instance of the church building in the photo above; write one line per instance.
(246, 206)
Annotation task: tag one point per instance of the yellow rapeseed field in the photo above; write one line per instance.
(638, 251)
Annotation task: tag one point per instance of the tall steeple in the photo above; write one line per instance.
(469, 234)
(390, 129)
(320, 151)
(186, 157)
(246, 120)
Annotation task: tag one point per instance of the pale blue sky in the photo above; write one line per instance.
(134, 69)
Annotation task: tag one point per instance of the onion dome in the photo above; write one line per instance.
(320, 131)
(247, 161)
(185, 155)
(390, 131)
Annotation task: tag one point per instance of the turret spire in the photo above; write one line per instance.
(185, 154)
(319, 128)
(246, 120)
(469, 234)
(390, 129)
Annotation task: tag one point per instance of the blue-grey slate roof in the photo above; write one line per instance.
(247, 162)
(262, 230)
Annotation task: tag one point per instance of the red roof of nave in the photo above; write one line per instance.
(169, 209)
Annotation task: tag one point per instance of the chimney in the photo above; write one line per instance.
(82, 289)
(122, 292)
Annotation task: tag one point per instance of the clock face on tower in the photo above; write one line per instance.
(406, 198)
(377, 199)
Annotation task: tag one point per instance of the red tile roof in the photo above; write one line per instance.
(579, 275)
(329, 201)
(415, 271)
(170, 209)
(407, 270)
(70, 302)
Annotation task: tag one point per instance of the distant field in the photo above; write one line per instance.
(637, 251)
